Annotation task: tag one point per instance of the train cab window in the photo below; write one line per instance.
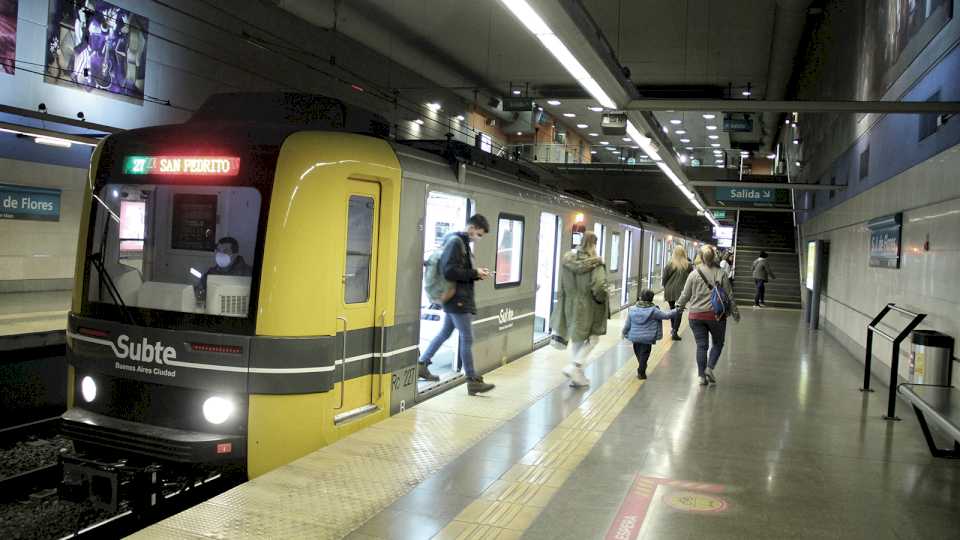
(174, 248)
(509, 250)
(615, 252)
(359, 249)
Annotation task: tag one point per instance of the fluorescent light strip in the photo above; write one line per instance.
(644, 142)
(535, 24)
(63, 143)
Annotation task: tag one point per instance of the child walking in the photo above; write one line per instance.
(644, 328)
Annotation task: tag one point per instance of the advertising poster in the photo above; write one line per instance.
(98, 47)
(8, 35)
(811, 263)
(896, 32)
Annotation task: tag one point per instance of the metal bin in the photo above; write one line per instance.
(931, 358)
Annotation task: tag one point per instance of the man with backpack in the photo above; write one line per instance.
(707, 296)
(449, 280)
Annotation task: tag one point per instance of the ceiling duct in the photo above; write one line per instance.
(367, 23)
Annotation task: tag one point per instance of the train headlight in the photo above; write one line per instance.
(217, 409)
(88, 388)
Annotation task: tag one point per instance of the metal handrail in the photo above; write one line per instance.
(343, 363)
(383, 358)
(872, 328)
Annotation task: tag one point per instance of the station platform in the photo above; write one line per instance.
(33, 312)
(784, 446)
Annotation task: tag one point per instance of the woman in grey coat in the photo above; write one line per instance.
(703, 321)
(583, 305)
(761, 275)
(674, 277)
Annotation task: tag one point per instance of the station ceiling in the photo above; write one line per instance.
(676, 49)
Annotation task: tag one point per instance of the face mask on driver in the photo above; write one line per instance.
(223, 260)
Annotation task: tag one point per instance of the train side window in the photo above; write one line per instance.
(509, 250)
(359, 249)
(615, 252)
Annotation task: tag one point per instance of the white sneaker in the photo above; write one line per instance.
(578, 379)
(703, 381)
(709, 374)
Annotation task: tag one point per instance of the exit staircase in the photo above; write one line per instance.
(772, 232)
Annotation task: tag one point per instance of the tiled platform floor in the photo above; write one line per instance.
(783, 447)
(795, 450)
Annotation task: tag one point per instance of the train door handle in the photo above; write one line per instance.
(343, 363)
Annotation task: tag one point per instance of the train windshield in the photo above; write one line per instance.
(173, 251)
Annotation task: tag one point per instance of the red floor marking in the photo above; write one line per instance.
(633, 510)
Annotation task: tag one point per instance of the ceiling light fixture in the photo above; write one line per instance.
(515, 91)
(747, 92)
(593, 134)
(529, 18)
(433, 107)
(715, 145)
(553, 102)
(519, 133)
(676, 122)
(604, 143)
(711, 128)
(684, 140)
(53, 141)
(596, 109)
(709, 116)
(570, 115)
(713, 137)
(460, 117)
(418, 121)
(680, 131)
(583, 126)
(593, 151)
(627, 139)
(771, 156)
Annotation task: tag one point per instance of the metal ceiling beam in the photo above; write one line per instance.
(747, 105)
(755, 209)
(766, 185)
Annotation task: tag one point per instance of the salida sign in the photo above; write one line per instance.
(746, 195)
(22, 202)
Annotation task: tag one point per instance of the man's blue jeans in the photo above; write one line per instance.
(703, 330)
(463, 322)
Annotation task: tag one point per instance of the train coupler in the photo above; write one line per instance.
(110, 485)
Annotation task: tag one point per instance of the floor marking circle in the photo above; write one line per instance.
(688, 501)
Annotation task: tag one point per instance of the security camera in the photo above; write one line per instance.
(42, 107)
(81, 116)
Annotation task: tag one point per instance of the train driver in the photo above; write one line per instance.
(228, 261)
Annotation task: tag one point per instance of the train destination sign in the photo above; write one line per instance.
(182, 165)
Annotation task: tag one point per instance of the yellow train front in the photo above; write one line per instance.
(178, 360)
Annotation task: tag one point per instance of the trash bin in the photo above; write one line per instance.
(931, 358)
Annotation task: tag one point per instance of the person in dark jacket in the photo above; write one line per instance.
(228, 261)
(761, 275)
(644, 328)
(674, 277)
(458, 266)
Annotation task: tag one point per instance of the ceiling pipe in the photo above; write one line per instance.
(790, 16)
(355, 21)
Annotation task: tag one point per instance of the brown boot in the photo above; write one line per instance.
(424, 373)
(477, 386)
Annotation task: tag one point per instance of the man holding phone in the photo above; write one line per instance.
(458, 266)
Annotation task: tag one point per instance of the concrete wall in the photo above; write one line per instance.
(928, 194)
(39, 255)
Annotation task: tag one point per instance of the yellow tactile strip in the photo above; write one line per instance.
(334, 490)
(510, 505)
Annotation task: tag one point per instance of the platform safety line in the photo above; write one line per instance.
(511, 504)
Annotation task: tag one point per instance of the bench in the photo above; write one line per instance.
(941, 405)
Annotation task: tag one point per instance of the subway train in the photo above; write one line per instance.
(310, 328)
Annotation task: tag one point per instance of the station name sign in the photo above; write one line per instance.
(32, 203)
(182, 165)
